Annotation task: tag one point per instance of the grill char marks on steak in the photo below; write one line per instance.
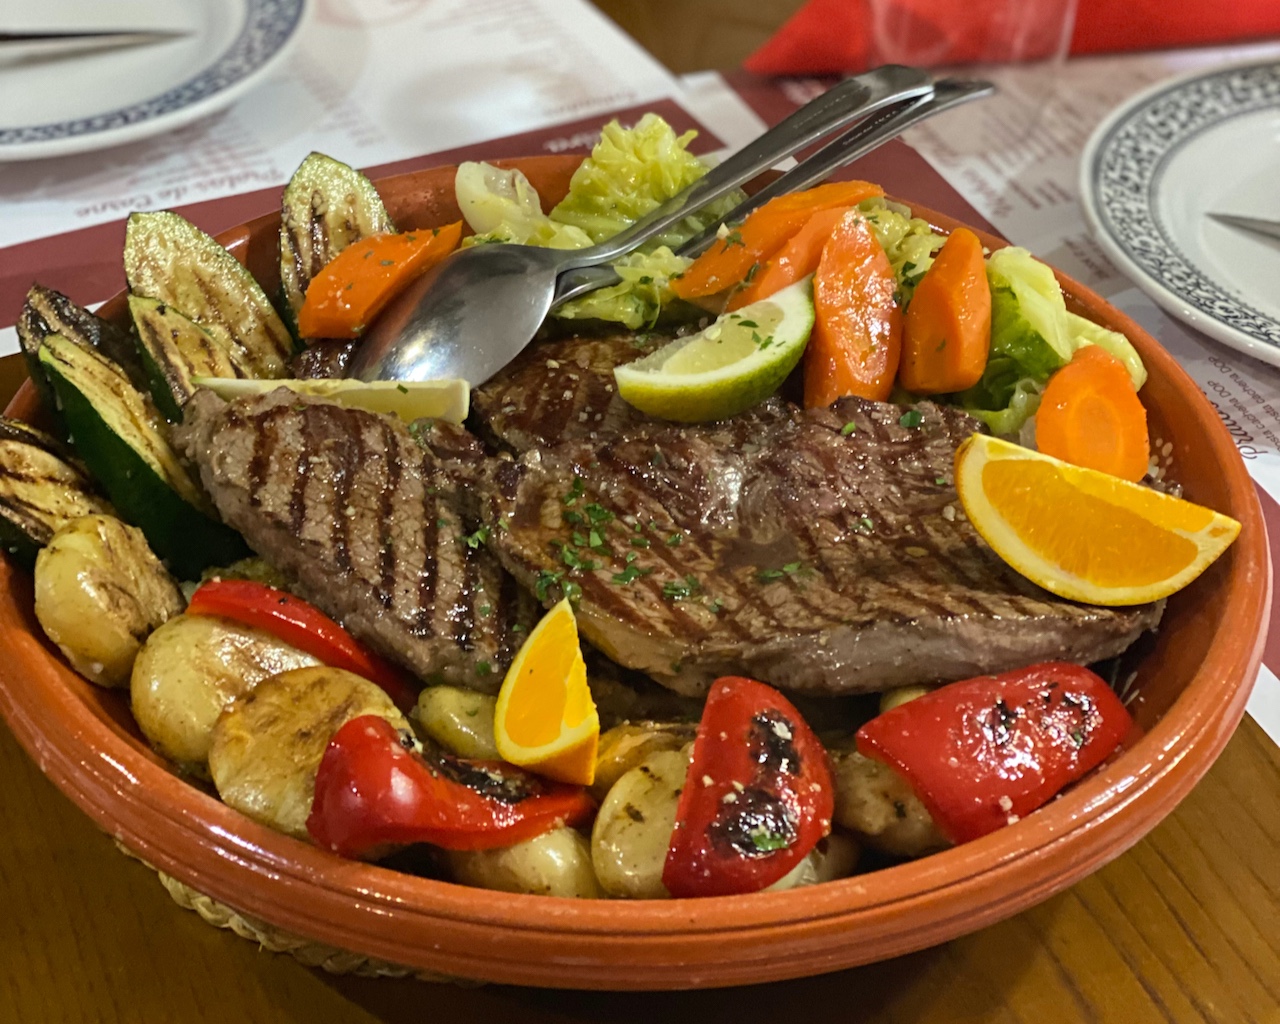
(785, 546)
(359, 517)
(561, 390)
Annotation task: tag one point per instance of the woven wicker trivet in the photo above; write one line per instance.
(267, 936)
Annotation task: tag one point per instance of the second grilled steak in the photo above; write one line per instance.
(366, 522)
(823, 552)
(561, 390)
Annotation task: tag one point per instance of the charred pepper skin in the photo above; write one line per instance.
(375, 791)
(985, 752)
(758, 796)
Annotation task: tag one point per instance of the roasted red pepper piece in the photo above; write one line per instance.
(373, 792)
(985, 752)
(757, 798)
(304, 626)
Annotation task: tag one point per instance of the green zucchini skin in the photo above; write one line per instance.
(47, 312)
(169, 259)
(174, 350)
(121, 438)
(326, 206)
(39, 494)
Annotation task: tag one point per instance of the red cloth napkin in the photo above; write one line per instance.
(827, 37)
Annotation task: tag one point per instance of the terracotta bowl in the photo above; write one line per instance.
(1193, 688)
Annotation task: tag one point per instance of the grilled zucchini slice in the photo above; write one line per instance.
(170, 259)
(174, 350)
(327, 206)
(40, 492)
(121, 438)
(47, 312)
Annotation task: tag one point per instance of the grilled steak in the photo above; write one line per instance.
(561, 390)
(325, 358)
(785, 545)
(364, 521)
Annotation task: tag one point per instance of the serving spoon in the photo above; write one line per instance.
(474, 312)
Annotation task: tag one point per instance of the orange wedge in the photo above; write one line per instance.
(1082, 534)
(545, 719)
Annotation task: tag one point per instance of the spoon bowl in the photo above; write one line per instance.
(436, 328)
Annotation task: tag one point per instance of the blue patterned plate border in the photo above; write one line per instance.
(1120, 178)
(269, 26)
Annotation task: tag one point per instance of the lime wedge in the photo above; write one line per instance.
(411, 400)
(738, 361)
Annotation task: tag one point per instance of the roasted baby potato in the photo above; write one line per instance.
(876, 803)
(187, 673)
(557, 863)
(891, 699)
(459, 720)
(834, 857)
(268, 744)
(99, 592)
(626, 745)
(633, 828)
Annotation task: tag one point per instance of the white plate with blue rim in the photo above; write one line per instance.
(1161, 165)
(211, 53)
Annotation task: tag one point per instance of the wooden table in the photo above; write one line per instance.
(1184, 927)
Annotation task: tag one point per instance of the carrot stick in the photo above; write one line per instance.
(857, 331)
(1091, 416)
(356, 284)
(797, 258)
(947, 330)
(763, 233)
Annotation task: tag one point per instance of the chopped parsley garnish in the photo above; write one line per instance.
(594, 540)
(574, 517)
(941, 481)
(678, 590)
(767, 842)
(769, 575)
(1077, 736)
(630, 574)
(865, 525)
(597, 513)
(675, 540)
(639, 542)
(716, 605)
(848, 429)
(575, 492)
(733, 238)
(657, 459)
(402, 389)
(571, 558)
(442, 523)
(486, 610)
(545, 581)
(474, 540)
(747, 323)
(483, 668)
(580, 540)
(911, 418)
